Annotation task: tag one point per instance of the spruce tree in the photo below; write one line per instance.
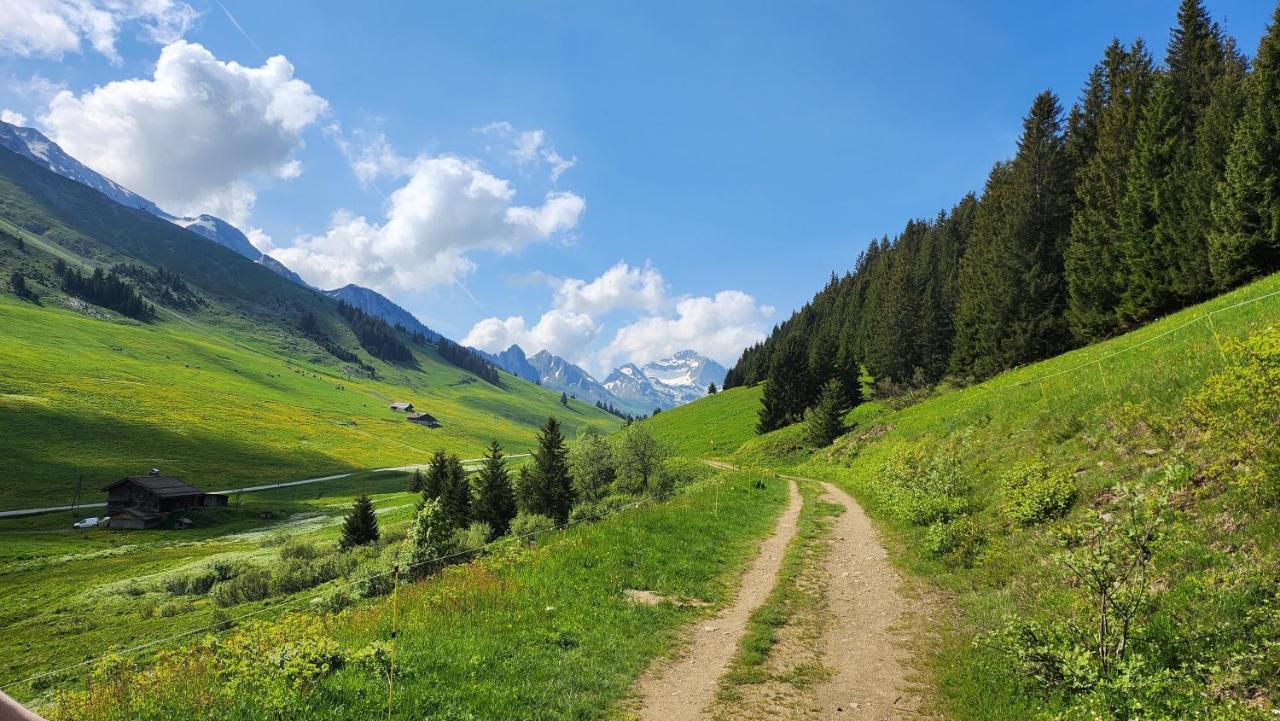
(551, 486)
(495, 502)
(456, 495)
(360, 527)
(1093, 262)
(437, 479)
(1166, 210)
(1013, 296)
(1245, 241)
(787, 386)
(417, 483)
(826, 421)
(711, 389)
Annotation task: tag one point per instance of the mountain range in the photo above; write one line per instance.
(35, 146)
(632, 389)
(664, 383)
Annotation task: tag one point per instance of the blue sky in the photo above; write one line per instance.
(730, 154)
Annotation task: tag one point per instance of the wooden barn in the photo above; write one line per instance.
(402, 407)
(423, 419)
(146, 501)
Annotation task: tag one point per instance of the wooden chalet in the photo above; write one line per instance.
(146, 501)
(423, 419)
(402, 407)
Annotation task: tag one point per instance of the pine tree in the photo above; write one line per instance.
(1167, 205)
(1093, 262)
(430, 541)
(551, 486)
(711, 389)
(826, 421)
(1013, 296)
(495, 502)
(787, 387)
(456, 495)
(1245, 241)
(417, 483)
(564, 399)
(437, 479)
(360, 527)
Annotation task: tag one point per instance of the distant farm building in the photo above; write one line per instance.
(146, 501)
(424, 419)
(402, 407)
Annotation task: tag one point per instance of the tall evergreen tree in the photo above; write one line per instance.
(1245, 241)
(495, 502)
(437, 479)
(1012, 292)
(551, 491)
(456, 497)
(787, 388)
(826, 421)
(1093, 262)
(360, 527)
(1167, 206)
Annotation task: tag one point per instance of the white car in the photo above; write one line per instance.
(90, 522)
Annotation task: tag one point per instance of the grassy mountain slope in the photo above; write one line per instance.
(1153, 451)
(225, 393)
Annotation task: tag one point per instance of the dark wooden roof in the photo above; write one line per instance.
(420, 417)
(163, 486)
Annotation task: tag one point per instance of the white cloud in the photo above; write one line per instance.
(196, 137)
(370, 155)
(562, 332)
(447, 208)
(13, 118)
(619, 287)
(718, 327)
(528, 147)
(52, 28)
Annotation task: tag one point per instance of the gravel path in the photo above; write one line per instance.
(681, 690)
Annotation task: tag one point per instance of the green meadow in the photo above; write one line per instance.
(102, 399)
(999, 493)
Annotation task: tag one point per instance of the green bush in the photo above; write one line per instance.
(960, 539)
(470, 541)
(299, 550)
(253, 584)
(584, 513)
(1034, 493)
(530, 526)
(1238, 412)
(925, 490)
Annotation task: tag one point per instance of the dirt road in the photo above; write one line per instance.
(682, 689)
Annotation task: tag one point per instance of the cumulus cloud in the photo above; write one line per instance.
(13, 118)
(52, 28)
(719, 326)
(447, 208)
(620, 287)
(195, 137)
(562, 332)
(370, 155)
(529, 147)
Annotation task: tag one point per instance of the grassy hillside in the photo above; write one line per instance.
(1143, 466)
(711, 427)
(226, 392)
(545, 627)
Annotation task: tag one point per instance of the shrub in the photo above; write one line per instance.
(470, 541)
(960, 539)
(253, 584)
(1034, 493)
(584, 513)
(299, 550)
(924, 491)
(1238, 411)
(529, 526)
(430, 540)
